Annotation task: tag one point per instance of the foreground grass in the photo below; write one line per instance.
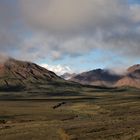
(94, 115)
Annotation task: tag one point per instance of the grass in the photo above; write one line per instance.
(92, 114)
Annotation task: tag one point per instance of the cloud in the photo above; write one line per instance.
(10, 28)
(56, 29)
(74, 16)
(58, 69)
(135, 12)
(80, 26)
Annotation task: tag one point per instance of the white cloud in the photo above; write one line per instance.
(58, 69)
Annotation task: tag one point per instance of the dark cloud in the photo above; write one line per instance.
(9, 26)
(74, 16)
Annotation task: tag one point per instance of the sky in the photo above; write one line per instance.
(71, 35)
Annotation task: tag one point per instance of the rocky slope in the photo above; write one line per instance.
(98, 77)
(16, 75)
(131, 79)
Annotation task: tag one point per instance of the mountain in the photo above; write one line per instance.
(98, 77)
(101, 77)
(133, 68)
(68, 76)
(17, 75)
(132, 77)
(134, 72)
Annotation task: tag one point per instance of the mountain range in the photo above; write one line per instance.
(18, 75)
(107, 78)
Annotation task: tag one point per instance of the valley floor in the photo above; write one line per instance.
(101, 116)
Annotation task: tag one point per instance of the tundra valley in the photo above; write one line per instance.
(37, 104)
(69, 69)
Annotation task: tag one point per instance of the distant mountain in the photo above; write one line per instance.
(16, 75)
(131, 79)
(98, 77)
(67, 76)
(133, 68)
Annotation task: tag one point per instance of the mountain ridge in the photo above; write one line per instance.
(103, 77)
(132, 77)
(98, 77)
(15, 73)
(22, 75)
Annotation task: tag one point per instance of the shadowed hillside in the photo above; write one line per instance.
(97, 77)
(105, 78)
